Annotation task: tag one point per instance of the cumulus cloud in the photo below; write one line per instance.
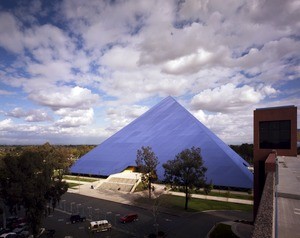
(121, 58)
(6, 124)
(75, 118)
(195, 62)
(15, 133)
(225, 125)
(5, 92)
(72, 105)
(278, 13)
(17, 112)
(123, 115)
(65, 97)
(229, 98)
(31, 115)
(10, 37)
(283, 49)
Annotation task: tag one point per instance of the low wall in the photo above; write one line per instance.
(265, 219)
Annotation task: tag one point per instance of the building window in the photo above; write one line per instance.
(275, 134)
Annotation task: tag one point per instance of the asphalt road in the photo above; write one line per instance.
(185, 225)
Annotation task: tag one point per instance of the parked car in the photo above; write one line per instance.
(77, 218)
(97, 226)
(10, 222)
(129, 218)
(9, 235)
(13, 222)
(21, 227)
(4, 230)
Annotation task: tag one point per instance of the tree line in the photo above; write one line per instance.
(71, 152)
(245, 151)
(32, 181)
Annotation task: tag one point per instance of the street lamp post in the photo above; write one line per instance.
(63, 205)
(98, 212)
(79, 183)
(82, 209)
(107, 213)
(156, 226)
(77, 205)
(89, 208)
(72, 203)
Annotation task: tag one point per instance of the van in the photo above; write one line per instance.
(97, 226)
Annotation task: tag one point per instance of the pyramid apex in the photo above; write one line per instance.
(170, 98)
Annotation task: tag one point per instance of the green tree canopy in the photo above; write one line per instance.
(186, 170)
(245, 151)
(33, 180)
(146, 162)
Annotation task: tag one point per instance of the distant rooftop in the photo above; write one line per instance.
(288, 196)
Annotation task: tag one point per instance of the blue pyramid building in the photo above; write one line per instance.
(168, 128)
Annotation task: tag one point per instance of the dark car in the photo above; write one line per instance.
(129, 218)
(77, 218)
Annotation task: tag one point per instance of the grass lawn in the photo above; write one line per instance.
(73, 185)
(223, 193)
(196, 205)
(83, 179)
(232, 195)
(222, 230)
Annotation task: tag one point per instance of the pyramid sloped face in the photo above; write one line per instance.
(168, 128)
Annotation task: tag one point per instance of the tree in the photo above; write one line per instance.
(245, 151)
(186, 170)
(146, 161)
(33, 180)
(208, 187)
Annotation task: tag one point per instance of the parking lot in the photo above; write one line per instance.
(64, 228)
(96, 209)
(188, 225)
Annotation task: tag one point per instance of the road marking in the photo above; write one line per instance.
(297, 209)
(81, 227)
(297, 213)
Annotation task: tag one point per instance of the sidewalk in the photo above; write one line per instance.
(239, 229)
(222, 199)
